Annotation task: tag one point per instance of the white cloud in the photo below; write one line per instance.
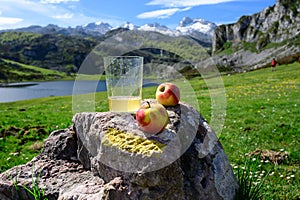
(174, 6)
(18, 7)
(162, 14)
(9, 20)
(57, 1)
(185, 3)
(64, 16)
(33, 12)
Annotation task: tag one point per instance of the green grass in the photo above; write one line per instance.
(34, 190)
(12, 71)
(41, 70)
(262, 112)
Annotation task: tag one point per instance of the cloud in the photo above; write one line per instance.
(174, 6)
(33, 12)
(17, 7)
(184, 3)
(161, 14)
(9, 20)
(57, 1)
(64, 16)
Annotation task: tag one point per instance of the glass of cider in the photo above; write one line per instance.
(124, 81)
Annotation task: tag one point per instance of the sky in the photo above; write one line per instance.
(70, 13)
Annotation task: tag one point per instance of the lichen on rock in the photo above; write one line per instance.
(132, 143)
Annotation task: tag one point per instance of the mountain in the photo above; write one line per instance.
(11, 71)
(67, 53)
(50, 51)
(96, 28)
(156, 27)
(274, 24)
(200, 29)
(255, 39)
(190, 26)
(130, 26)
(91, 29)
(248, 44)
(51, 28)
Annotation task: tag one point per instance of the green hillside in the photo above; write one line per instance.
(66, 53)
(262, 125)
(50, 51)
(11, 71)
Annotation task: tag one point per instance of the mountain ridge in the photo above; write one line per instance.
(199, 28)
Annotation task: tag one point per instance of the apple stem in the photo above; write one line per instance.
(148, 103)
(162, 89)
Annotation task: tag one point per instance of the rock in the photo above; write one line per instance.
(105, 156)
(273, 24)
(249, 37)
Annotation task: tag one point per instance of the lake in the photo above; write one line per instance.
(49, 88)
(53, 88)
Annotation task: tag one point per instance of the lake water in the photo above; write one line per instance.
(50, 88)
(53, 88)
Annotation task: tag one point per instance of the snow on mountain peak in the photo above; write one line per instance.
(198, 28)
(185, 22)
(97, 27)
(130, 26)
(188, 26)
(153, 27)
(159, 28)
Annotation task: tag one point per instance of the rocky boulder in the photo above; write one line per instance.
(105, 156)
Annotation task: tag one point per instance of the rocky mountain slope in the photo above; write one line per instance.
(253, 40)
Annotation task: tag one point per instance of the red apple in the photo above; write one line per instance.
(168, 94)
(152, 118)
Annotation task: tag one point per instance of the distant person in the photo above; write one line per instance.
(273, 64)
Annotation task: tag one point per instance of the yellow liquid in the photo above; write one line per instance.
(124, 104)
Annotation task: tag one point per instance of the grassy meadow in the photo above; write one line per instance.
(262, 125)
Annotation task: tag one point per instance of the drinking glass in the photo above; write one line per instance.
(124, 80)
